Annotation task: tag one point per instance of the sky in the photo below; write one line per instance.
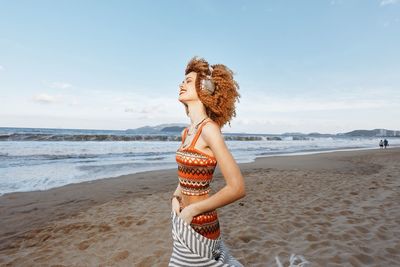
(303, 66)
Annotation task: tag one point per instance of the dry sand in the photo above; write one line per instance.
(336, 209)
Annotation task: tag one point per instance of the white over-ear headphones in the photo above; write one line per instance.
(207, 83)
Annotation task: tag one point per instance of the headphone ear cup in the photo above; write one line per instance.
(207, 84)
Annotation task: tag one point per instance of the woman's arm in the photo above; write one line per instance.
(234, 188)
(178, 191)
(176, 201)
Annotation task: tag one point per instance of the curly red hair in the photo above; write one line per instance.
(220, 105)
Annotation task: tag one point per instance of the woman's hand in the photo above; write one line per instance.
(187, 214)
(176, 205)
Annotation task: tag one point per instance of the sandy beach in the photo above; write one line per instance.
(335, 209)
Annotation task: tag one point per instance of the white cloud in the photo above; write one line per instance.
(1, 68)
(73, 102)
(388, 2)
(147, 110)
(265, 110)
(132, 110)
(45, 98)
(356, 98)
(60, 85)
(334, 111)
(140, 108)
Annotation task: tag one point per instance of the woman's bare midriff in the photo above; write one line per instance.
(188, 199)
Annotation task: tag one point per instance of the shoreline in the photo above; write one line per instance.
(147, 193)
(279, 154)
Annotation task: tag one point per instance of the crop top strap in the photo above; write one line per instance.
(198, 133)
(184, 134)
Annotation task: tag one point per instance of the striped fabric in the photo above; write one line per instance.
(192, 249)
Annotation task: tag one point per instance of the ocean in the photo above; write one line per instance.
(39, 159)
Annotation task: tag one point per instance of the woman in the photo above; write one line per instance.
(209, 94)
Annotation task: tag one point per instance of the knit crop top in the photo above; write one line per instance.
(195, 168)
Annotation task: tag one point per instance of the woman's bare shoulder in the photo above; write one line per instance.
(211, 130)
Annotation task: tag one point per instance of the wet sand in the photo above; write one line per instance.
(335, 209)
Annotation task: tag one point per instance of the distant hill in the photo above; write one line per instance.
(373, 133)
(320, 135)
(291, 134)
(158, 129)
(176, 128)
(173, 129)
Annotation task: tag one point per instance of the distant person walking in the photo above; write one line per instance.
(385, 143)
(381, 143)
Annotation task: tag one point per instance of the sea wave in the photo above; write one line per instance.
(86, 137)
(105, 137)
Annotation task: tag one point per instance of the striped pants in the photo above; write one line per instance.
(193, 249)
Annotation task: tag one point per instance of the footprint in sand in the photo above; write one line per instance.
(382, 236)
(319, 245)
(368, 208)
(363, 259)
(104, 227)
(318, 209)
(84, 244)
(367, 250)
(246, 238)
(311, 237)
(45, 237)
(298, 224)
(125, 221)
(121, 255)
(391, 251)
(141, 222)
(361, 229)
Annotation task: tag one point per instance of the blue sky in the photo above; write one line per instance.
(309, 66)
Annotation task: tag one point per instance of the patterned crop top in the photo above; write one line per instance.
(195, 168)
